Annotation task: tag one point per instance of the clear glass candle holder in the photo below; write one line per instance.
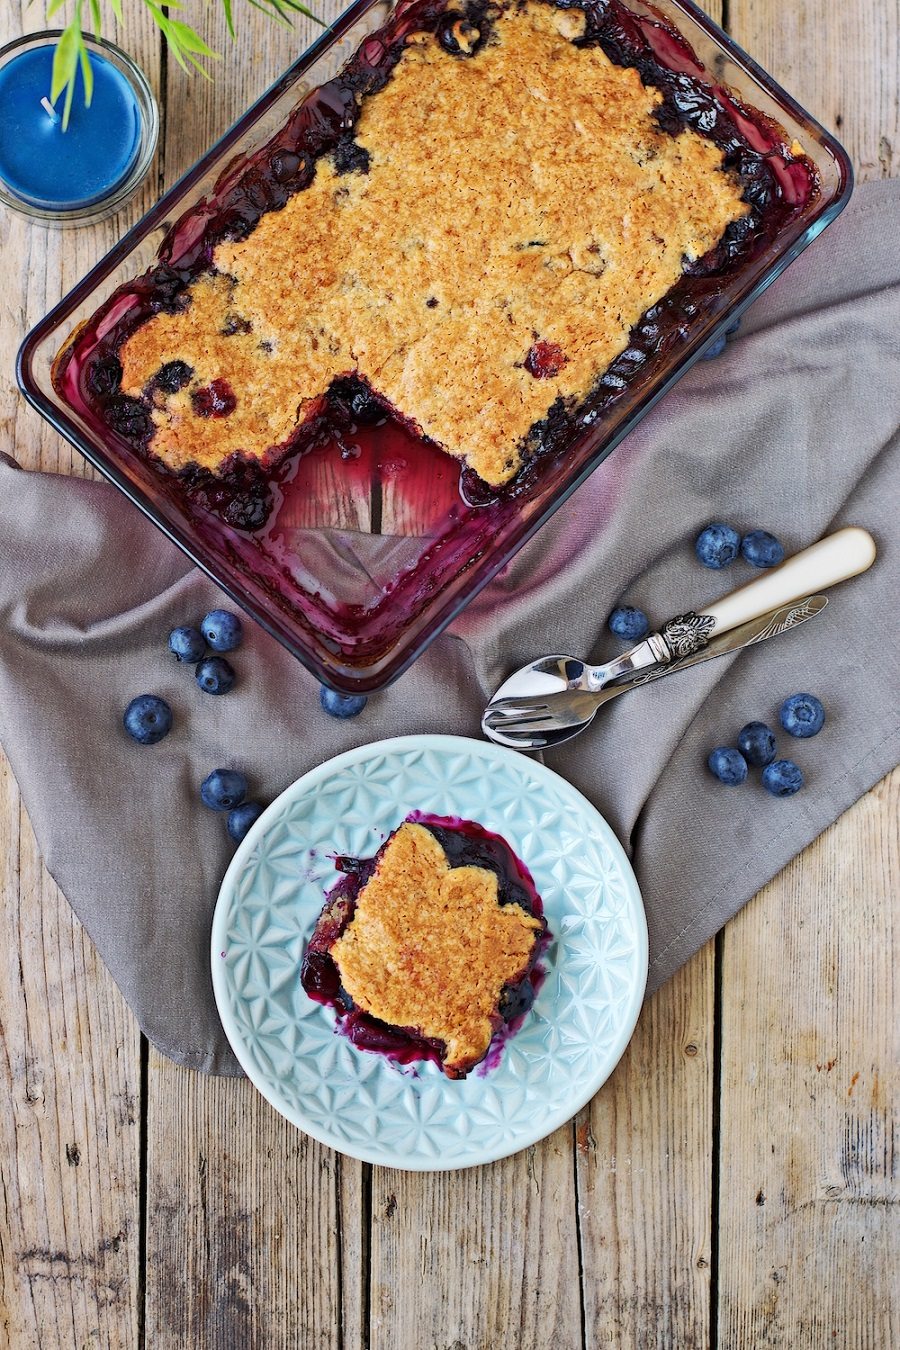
(121, 192)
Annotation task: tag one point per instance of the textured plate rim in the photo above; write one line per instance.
(379, 1155)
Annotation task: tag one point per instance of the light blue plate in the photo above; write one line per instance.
(361, 1103)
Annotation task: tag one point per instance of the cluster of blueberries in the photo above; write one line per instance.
(801, 715)
(716, 546)
(148, 718)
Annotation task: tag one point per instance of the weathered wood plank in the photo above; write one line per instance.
(244, 1214)
(478, 1259)
(841, 62)
(254, 1236)
(69, 1249)
(809, 1241)
(808, 1248)
(69, 1049)
(644, 1167)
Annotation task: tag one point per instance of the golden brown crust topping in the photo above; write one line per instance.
(430, 948)
(526, 190)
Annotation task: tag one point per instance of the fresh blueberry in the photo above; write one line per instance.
(628, 622)
(721, 342)
(756, 743)
(215, 675)
(802, 715)
(717, 545)
(728, 765)
(761, 549)
(147, 719)
(240, 818)
(715, 348)
(222, 629)
(782, 778)
(187, 644)
(223, 789)
(341, 705)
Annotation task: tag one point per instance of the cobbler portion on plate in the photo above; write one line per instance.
(493, 215)
(430, 949)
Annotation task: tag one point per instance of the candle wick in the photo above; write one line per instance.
(49, 109)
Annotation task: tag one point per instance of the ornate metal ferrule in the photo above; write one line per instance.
(688, 633)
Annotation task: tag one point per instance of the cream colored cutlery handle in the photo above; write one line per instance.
(835, 558)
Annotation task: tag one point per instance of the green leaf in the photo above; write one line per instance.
(65, 60)
(87, 74)
(117, 10)
(229, 17)
(96, 18)
(190, 40)
(53, 6)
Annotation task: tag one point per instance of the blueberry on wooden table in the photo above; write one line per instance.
(187, 644)
(223, 789)
(728, 765)
(761, 549)
(215, 675)
(341, 705)
(147, 719)
(241, 817)
(802, 715)
(756, 743)
(717, 545)
(782, 778)
(628, 622)
(222, 630)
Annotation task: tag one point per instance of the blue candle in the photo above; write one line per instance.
(69, 170)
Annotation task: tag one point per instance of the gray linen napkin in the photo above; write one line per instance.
(794, 430)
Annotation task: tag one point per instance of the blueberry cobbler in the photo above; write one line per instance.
(484, 228)
(430, 949)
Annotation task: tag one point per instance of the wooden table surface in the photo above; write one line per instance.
(735, 1182)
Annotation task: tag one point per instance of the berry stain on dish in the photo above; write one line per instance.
(449, 911)
(175, 367)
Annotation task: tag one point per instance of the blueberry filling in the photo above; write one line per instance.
(465, 843)
(216, 399)
(545, 360)
(348, 157)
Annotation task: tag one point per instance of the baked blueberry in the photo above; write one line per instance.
(174, 375)
(756, 743)
(717, 545)
(761, 549)
(628, 622)
(215, 675)
(240, 818)
(728, 765)
(782, 778)
(187, 644)
(223, 789)
(129, 419)
(147, 719)
(802, 715)
(222, 630)
(341, 705)
(105, 376)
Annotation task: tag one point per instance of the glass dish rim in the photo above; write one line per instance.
(388, 666)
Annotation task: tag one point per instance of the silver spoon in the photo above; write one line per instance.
(554, 698)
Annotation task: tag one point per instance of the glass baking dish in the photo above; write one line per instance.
(376, 543)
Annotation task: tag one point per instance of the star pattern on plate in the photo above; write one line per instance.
(413, 1116)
